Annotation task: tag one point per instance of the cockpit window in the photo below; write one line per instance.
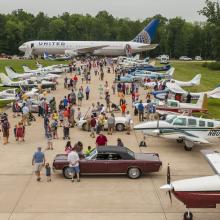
(170, 118)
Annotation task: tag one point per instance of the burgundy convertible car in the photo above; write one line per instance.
(112, 160)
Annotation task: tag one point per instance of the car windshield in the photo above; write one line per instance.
(131, 153)
(170, 118)
(92, 154)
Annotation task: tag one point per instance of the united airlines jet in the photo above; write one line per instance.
(142, 42)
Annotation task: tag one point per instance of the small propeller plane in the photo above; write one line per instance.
(201, 192)
(187, 129)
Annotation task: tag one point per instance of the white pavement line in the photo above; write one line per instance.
(158, 197)
(22, 193)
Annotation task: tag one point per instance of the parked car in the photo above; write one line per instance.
(198, 58)
(185, 58)
(112, 160)
(119, 124)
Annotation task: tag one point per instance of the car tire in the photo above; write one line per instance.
(66, 173)
(188, 216)
(120, 127)
(134, 173)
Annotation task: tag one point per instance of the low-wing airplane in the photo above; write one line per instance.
(175, 89)
(141, 42)
(7, 82)
(150, 68)
(32, 76)
(57, 57)
(188, 129)
(42, 70)
(200, 192)
(194, 82)
(13, 75)
(141, 75)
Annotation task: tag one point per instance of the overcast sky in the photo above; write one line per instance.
(133, 9)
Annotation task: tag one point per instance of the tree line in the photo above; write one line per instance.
(175, 36)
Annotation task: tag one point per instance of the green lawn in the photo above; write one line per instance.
(183, 71)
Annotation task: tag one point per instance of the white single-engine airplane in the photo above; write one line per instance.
(188, 129)
(141, 42)
(35, 76)
(201, 192)
(194, 82)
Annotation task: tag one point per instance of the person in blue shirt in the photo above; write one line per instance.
(141, 111)
(65, 101)
(38, 161)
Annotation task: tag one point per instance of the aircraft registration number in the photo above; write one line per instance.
(214, 133)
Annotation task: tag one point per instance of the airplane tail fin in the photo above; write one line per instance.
(170, 72)
(137, 57)
(203, 102)
(146, 36)
(215, 93)
(196, 80)
(5, 79)
(26, 69)
(11, 73)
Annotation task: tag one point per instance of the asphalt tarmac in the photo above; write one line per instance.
(95, 197)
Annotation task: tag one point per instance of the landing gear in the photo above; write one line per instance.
(188, 145)
(179, 140)
(188, 216)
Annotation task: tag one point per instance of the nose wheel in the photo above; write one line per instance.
(188, 216)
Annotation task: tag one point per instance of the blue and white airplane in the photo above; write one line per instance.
(142, 42)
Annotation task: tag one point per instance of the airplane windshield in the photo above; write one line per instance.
(170, 118)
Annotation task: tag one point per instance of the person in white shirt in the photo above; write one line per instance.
(73, 159)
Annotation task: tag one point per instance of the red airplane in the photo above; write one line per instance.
(202, 192)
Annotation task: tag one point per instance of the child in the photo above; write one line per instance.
(48, 172)
(49, 136)
(54, 126)
(88, 151)
(20, 131)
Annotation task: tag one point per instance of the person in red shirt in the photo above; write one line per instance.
(123, 109)
(101, 140)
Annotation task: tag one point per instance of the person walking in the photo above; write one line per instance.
(111, 124)
(20, 131)
(66, 128)
(5, 130)
(48, 172)
(92, 126)
(38, 161)
(123, 109)
(128, 122)
(73, 159)
(87, 92)
(141, 111)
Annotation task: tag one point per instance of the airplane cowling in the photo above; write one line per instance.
(71, 53)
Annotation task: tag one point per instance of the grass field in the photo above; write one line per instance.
(183, 71)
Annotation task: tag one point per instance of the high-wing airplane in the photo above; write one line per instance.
(194, 82)
(141, 42)
(188, 129)
(200, 192)
(57, 57)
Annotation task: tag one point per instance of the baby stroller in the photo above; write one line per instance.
(31, 117)
(115, 107)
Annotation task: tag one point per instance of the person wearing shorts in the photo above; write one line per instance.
(38, 161)
(73, 159)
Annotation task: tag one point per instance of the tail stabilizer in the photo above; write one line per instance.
(146, 36)
(11, 73)
(5, 79)
(26, 69)
(196, 80)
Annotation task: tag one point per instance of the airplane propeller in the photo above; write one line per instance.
(169, 181)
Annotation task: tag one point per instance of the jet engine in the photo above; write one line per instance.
(71, 53)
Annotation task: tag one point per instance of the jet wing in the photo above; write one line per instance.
(190, 137)
(213, 158)
(90, 49)
(148, 47)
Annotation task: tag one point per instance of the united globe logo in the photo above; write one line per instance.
(143, 37)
